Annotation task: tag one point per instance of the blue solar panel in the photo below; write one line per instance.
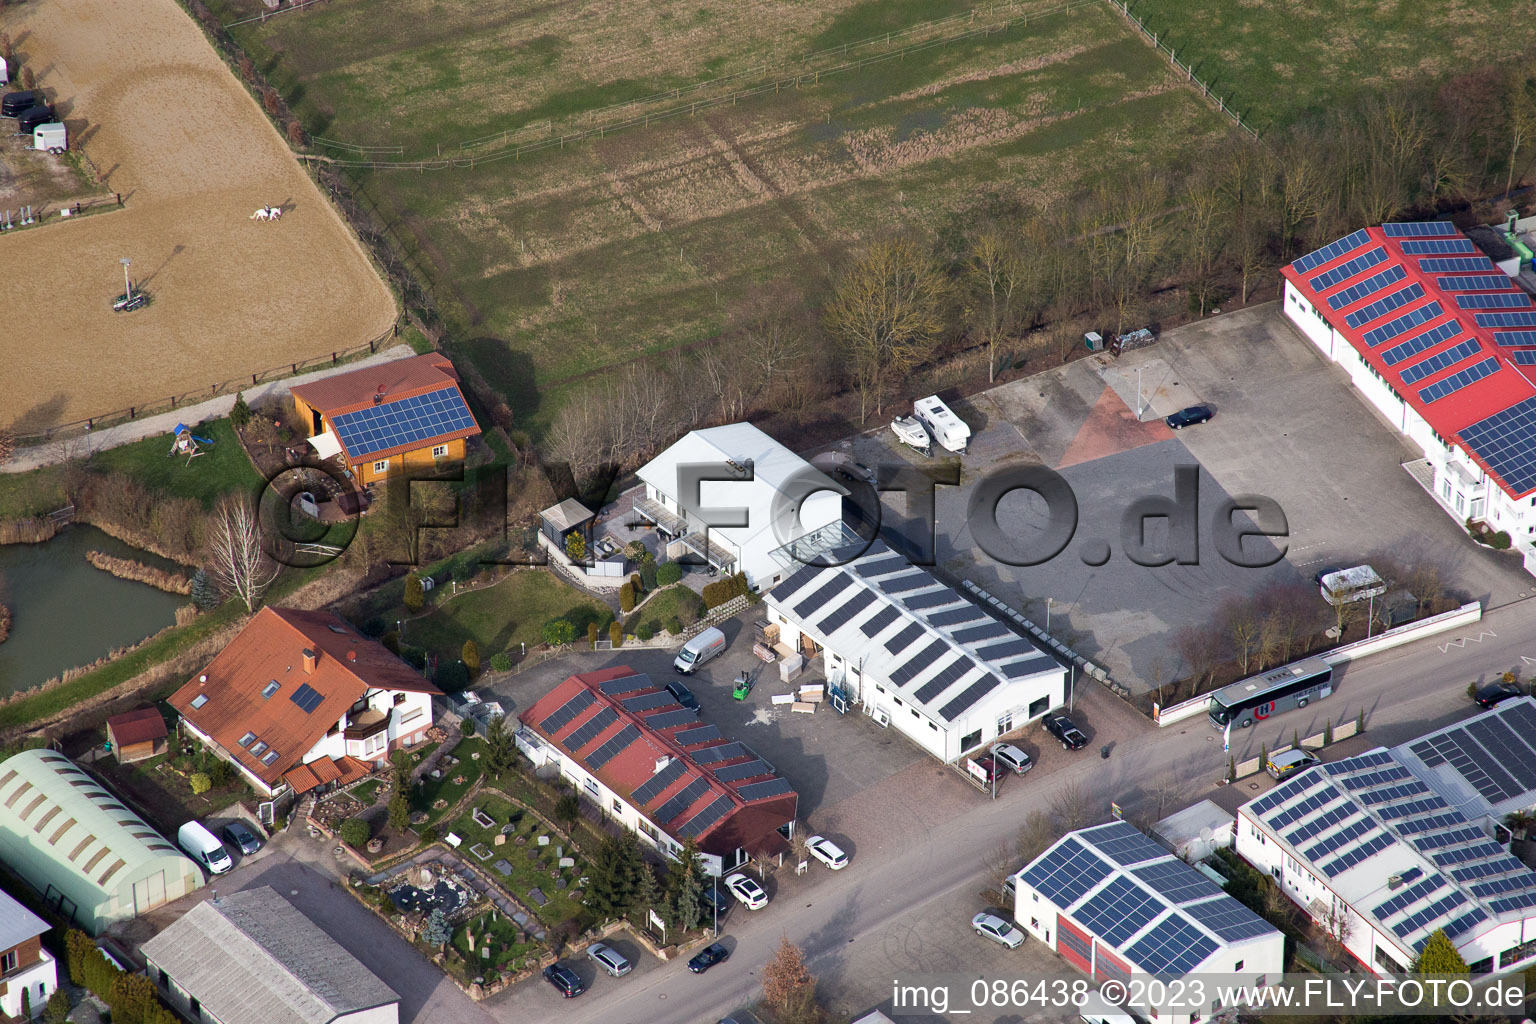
(1229, 919)
(705, 819)
(822, 595)
(1174, 946)
(1409, 896)
(878, 621)
(903, 638)
(612, 746)
(1519, 902)
(1440, 361)
(1523, 319)
(1124, 843)
(1355, 292)
(1465, 922)
(589, 729)
(1177, 881)
(1066, 873)
(1404, 323)
(1473, 283)
(1331, 251)
(1355, 854)
(1509, 339)
(1419, 228)
(1344, 271)
(1456, 264)
(1381, 307)
(1493, 300)
(1441, 247)
(973, 693)
(847, 610)
(1524, 356)
(404, 422)
(1456, 381)
(801, 577)
(653, 787)
(1420, 343)
(306, 697)
(1119, 910)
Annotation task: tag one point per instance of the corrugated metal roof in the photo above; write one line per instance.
(253, 958)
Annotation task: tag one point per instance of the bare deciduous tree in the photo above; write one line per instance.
(237, 559)
(1197, 647)
(993, 276)
(1037, 833)
(1070, 807)
(1242, 624)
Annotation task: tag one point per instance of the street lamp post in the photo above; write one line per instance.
(127, 284)
(1139, 407)
(1048, 602)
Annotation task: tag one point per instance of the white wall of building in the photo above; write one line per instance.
(37, 980)
(386, 1014)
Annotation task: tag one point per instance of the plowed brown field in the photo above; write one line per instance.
(173, 131)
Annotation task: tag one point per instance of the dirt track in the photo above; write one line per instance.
(173, 131)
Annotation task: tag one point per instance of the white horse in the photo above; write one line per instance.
(267, 213)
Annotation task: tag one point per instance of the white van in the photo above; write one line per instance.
(699, 650)
(204, 847)
(1095, 1009)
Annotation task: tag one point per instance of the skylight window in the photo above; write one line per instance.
(270, 758)
(247, 739)
(336, 629)
(199, 701)
(258, 748)
(271, 688)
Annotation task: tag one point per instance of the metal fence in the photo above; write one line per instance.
(1222, 102)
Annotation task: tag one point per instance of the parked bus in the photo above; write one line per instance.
(1259, 697)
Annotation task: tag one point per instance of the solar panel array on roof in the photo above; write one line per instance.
(648, 701)
(919, 661)
(982, 633)
(1403, 324)
(611, 747)
(1355, 292)
(968, 698)
(668, 719)
(880, 566)
(1177, 881)
(562, 716)
(403, 422)
(1521, 319)
(693, 737)
(1332, 251)
(1363, 851)
(1444, 247)
(1174, 946)
(943, 679)
(1229, 919)
(1119, 910)
(1432, 365)
(1493, 300)
(1020, 669)
(306, 697)
(1418, 228)
(705, 819)
(1381, 307)
(1124, 844)
(1008, 649)
(1420, 343)
(1473, 282)
(904, 638)
(1455, 264)
(933, 599)
(590, 728)
(744, 770)
(905, 584)
(625, 684)
(845, 611)
(1344, 271)
(819, 597)
(1065, 874)
(686, 798)
(956, 616)
(658, 783)
(872, 626)
(724, 752)
(1458, 380)
(1524, 356)
(800, 578)
(1506, 441)
(767, 788)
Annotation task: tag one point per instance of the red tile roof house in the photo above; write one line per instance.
(300, 700)
(649, 763)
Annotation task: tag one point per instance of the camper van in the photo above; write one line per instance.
(204, 847)
(700, 649)
(947, 428)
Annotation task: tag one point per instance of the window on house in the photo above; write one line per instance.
(1034, 923)
(270, 759)
(271, 688)
(195, 1007)
(165, 980)
(649, 829)
(439, 451)
(970, 740)
(1005, 723)
(382, 466)
(399, 699)
(7, 962)
(1039, 707)
(199, 701)
(591, 786)
(247, 739)
(618, 807)
(1239, 965)
(259, 748)
(933, 727)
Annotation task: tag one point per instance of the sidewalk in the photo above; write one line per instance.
(162, 424)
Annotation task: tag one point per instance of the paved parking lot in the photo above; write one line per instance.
(1287, 426)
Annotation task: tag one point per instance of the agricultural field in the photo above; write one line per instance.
(565, 262)
(169, 128)
(1282, 60)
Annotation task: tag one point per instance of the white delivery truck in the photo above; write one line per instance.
(947, 428)
(700, 649)
(204, 847)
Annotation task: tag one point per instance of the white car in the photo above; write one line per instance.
(609, 959)
(998, 930)
(747, 891)
(828, 852)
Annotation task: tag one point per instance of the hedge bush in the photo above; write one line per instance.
(200, 783)
(558, 632)
(627, 598)
(675, 626)
(592, 632)
(470, 653)
(668, 573)
(721, 591)
(356, 832)
(501, 662)
(616, 633)
(648, 573)
(644, 632)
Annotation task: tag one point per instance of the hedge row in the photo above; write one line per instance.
(721, 591)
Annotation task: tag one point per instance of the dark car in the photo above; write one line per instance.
(565, 980)
(1189, 417)
(708, 957)
(1061, 727)
(241, 837)
(682, 695)
(1494, 695)
(15, 102)
(28, 120)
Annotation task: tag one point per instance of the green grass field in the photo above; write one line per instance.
(1282, 60)
(565, 263)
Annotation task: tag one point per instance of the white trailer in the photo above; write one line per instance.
(947, 428)
(50, 138)
(5, 72)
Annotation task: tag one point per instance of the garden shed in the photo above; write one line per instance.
(137, 735)
(560, 521)
(92, 858)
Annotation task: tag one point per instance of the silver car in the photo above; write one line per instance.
(609, 959)
(995, 928)
(1010, 756)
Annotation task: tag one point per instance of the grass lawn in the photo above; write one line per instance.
(1283, 60)
(367, 792)
(498, 618)
(502, 936)
(444, 787)
(221, 468)
(677, 601)
(533, 866)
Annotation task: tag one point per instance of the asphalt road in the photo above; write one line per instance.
(868, 925)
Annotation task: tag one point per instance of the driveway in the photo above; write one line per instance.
(1288, 426)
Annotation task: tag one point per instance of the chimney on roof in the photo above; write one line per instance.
(662, 762)
(378, 396)
(310, 659)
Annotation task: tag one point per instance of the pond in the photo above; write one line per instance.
(65, 612)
